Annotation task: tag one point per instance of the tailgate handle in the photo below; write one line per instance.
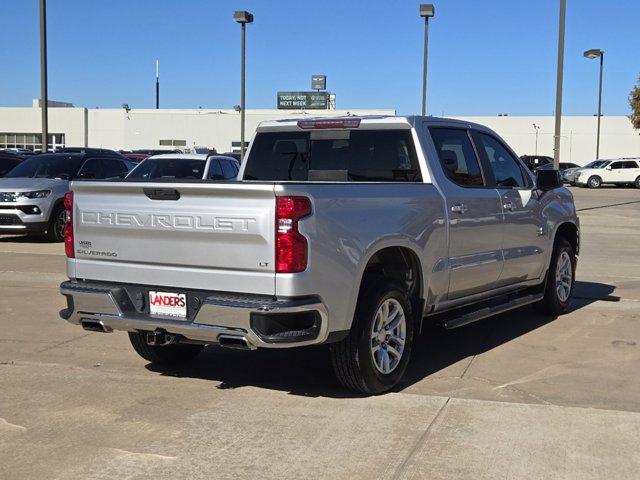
(162, 193)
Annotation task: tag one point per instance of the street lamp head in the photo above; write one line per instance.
(427, 10)
(593, 53)
(242, 16)
(237, 108)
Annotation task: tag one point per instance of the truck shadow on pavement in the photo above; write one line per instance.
(308, 372)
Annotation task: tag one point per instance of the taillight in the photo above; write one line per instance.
(291, 246)
(68, 228)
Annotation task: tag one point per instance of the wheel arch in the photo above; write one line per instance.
(59, 202)
(400, 263)
(570, 232)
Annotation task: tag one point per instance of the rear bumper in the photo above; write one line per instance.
(210, 314)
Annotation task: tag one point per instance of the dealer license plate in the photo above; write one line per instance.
(168, 303)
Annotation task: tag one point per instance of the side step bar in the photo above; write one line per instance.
(451, 320)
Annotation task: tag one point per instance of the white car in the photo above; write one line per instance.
(617, 172)
(570, 174)
(185, 166)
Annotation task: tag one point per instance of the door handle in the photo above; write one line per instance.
(459, 208)
(508, 206)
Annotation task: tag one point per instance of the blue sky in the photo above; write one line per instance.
(486, 57)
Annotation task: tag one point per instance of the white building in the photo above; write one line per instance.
(118, 128)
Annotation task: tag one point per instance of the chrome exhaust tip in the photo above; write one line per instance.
(95, 326)
(232, 341)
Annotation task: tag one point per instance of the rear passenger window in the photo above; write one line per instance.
(228, 171)
(91, 169)
(457, 156)
(113, 168)
(328, 155)
(215, 170)
(506, 169)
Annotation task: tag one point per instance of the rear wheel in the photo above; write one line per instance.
(560, 280)
(374, 356)
(594, 182)
(57, 222)
(176, 354)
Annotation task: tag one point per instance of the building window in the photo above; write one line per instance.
(31, 141)
(173, 143)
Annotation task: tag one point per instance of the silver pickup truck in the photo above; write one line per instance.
(346, 231)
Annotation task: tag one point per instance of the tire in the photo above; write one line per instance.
(557, 297)
(356, 365)
(594, 182)
(55, 230)
(637, 182)
(168, 355)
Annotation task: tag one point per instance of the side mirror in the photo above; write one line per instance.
(548, 180)
(608, 168)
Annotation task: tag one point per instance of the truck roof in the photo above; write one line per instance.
(371, 121)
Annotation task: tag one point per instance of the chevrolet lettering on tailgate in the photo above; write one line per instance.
(169, 221)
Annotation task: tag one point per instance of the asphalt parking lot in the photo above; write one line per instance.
(516, 396)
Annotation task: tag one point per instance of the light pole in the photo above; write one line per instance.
(44, 98)
(559, 78)
(595, 53)
(427, 11)
(157, 84)
(536, 128)
(242, 17)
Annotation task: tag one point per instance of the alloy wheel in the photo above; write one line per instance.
(564, 276)
(388, 336)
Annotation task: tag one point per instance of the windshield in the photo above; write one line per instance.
(168, 168)
(47, 166)
(598, 164)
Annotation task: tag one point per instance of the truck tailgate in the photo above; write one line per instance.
(190, 235)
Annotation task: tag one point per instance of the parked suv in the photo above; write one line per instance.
(347, 231)
(185, 166)
(31, 193)
(615, 172)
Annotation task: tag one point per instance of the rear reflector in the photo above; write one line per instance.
(68, 228)
(329, 123)
(291, 245)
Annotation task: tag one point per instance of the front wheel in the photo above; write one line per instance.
(168, 355)
(560, 280)
(374, 356)
(637, 182)
(594, 182)
(57, 222)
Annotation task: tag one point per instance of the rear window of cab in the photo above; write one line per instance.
(334, 156)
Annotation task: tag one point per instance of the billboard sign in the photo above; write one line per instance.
(303, 100)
